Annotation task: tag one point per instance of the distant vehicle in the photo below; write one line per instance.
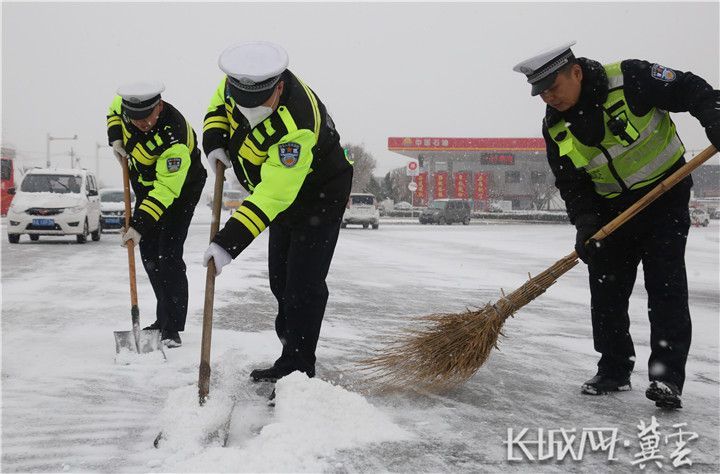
(446, 211)
(715, 214)
(699, 217)
(500, 206)
(112, 208)
(55, 202)
(361, 209)
(403, 206)
(231, 199)
(7, 179)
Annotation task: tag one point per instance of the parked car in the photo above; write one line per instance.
(112, 208)
(446, 211)
(55, 202)
(699, 217)
(402, 206)
(361, 209)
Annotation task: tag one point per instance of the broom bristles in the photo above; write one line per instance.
(447, 349)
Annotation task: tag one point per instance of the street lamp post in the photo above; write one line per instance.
(47, 145)
(97, 156)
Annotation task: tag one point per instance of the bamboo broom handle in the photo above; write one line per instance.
(658, 190)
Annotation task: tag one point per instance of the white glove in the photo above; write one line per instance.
(219, 255)
(119, 151)
(130, 234)
(218, 154)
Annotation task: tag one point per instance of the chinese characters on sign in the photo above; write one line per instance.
(505, 159)
(431, 142)
(421, 193)
(441, 185)
(481, 189)
(557, 444)
(461, 181)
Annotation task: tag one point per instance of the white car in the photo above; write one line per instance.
(699, 217)
(361, 209)
(55, 202)
(402, 206)
(112, 208)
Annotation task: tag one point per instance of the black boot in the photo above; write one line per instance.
(603, 383)
(155, 325)
(271, 374)
(664, 394)
(171, 339)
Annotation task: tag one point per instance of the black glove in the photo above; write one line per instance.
(713, 134)
(587, 225)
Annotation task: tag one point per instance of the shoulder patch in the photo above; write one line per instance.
(662, 73)
(173, 164)
(289, 153)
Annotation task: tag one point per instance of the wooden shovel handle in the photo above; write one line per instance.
(204, 376)
(130, 243)
(656, 192)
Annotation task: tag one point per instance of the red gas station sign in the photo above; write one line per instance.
(461, 182)
(441, 178)
(481, 189)
(421, 192)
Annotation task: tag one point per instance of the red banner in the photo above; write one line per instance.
(440, 184)
(481, 189)
(421, 193)
(461, 182)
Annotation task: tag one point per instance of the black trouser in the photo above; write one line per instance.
(299, 259)
(657, 237)
(162, 256)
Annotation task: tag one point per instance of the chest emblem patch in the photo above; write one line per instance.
(173, 164)
(662, 73)
(289, 153)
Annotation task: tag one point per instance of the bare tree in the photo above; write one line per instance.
(542, 194)
(363, 167)
(395, 185)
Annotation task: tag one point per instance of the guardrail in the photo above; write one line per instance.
(526, 216)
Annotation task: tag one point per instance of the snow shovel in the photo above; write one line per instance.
(137, 340)
(204, 373)
(222, 432)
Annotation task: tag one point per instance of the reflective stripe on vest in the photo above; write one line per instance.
(639, 149)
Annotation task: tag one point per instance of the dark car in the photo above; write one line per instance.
(446, 211)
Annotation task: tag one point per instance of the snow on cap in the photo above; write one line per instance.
(139, 98)
(252, 70)
(542, 69)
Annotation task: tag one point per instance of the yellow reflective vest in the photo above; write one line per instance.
(635, 150)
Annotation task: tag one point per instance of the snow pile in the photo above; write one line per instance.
(189, 427)
(311, 420)
(126, 357)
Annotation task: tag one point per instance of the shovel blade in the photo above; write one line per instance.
(148, 341)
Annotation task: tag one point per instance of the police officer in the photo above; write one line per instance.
(610, 140)
(167, 177)
(278, 137)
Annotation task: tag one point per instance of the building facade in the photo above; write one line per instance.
(512, 171)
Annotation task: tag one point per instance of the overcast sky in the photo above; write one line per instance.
(404, 69)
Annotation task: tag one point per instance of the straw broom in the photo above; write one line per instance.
(447, 349)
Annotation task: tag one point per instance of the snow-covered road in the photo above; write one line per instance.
(66, 404)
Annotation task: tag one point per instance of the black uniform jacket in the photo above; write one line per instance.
(687, 93)
(324, 193)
